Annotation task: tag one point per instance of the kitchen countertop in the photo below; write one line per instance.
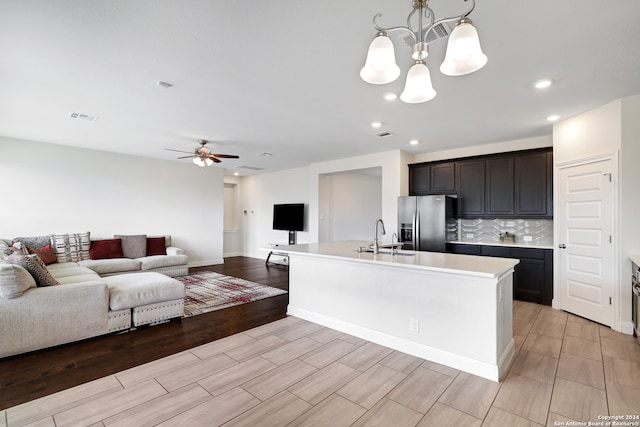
(511, 245)
(635, 259)
(470, 265)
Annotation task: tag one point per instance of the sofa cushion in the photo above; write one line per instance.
(134, 290)
(113, 265)
(34, 265)
(14, 280)
(71, 247)
(133, 246)
(106, 248)
(159, 261)
(73, 270)
(90, 277)
(45, 253)
(156, 246)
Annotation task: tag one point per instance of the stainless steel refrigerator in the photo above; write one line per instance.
(426, 223)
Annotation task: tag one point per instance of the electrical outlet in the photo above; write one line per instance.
(414, 325)
(527, 238)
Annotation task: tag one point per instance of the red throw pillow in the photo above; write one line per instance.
(45, 253)
(106, 248)
(156, 246)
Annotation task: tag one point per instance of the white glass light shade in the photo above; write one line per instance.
(380, 67)
(464, 54)
(208, 161)
(198, 161)
(418, 87)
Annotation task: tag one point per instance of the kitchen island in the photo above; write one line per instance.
(451, 309)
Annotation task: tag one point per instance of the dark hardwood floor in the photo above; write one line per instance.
(30, 376)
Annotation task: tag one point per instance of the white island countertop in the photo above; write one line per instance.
(470, 265)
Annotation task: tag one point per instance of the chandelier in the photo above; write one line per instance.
(463, 56)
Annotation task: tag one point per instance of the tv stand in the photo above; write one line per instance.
(275, 252)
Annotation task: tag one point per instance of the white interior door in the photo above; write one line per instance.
(585, 230)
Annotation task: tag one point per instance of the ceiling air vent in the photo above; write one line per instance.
(251, 168)
(439, 32)
(82, 116)
(384, 134)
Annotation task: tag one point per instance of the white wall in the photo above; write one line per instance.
(349, 204)
(258, 195)
(58, 189)
(629, 195)
(594, 132)
(232, 231)
(302, 185)
(478, 150)
(613, 127)
(394, 184)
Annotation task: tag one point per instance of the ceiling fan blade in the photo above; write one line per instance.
(177, 151)
(185, 157)
(214, 159)
(226, 156)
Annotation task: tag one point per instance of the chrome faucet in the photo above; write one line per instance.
(376, 246)
(393, 247)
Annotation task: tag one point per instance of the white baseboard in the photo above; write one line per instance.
(230, 254)
(475, 367)
(626, 328)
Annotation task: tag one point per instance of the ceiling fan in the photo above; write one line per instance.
(202, 155)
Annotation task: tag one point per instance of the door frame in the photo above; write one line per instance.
(616, 288)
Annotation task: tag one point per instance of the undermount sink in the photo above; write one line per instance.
(385, 252)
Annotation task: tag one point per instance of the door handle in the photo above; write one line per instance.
(562, 246)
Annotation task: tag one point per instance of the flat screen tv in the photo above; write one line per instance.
(288, 217)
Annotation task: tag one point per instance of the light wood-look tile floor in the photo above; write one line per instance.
(295, 373)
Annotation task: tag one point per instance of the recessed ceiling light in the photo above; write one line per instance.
(542, 84)
(376, 124)
(265, 154)
(164, 84)
(390, 96)
(236, 173)
(414, 142)
(553, 118)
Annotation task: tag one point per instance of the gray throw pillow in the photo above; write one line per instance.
(34, 241)
(34, 265)
(14, 280)
(133, 246)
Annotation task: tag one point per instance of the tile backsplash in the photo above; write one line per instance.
(488, 230)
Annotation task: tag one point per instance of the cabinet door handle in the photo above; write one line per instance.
(562, 246)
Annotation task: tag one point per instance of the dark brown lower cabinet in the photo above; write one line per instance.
(533, 276)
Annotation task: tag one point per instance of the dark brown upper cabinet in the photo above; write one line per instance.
(500, 186)
(432, 178)
(471, 188)
(518, 184)
(443, 178)
(419, 177)
(531, 184)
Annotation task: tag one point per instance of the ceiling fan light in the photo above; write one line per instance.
(208, 161)
(198, 161)
(464, 54)
(418, 87)
(380, 66)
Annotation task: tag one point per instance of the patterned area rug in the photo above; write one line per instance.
(208, 291)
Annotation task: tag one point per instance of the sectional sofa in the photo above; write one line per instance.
(57, 289)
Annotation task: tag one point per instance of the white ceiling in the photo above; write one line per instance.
(283, 76)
